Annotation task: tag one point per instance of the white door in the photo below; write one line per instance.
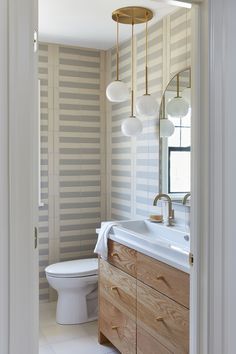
(23, 177)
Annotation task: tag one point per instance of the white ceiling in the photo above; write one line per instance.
(88, 23)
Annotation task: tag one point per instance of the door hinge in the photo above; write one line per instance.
(35, 237)
(35, 41)
(191, 258)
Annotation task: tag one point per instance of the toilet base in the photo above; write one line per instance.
(73, 309)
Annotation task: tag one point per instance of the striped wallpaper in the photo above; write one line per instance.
(89, 171)
(133, 173)
(45, 88)
(72, 159)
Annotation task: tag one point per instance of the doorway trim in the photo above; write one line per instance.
(19, 99)
(18, 259)
(4, 178)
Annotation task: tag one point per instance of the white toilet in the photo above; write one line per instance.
(76, 283)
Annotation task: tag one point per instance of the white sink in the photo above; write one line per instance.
(155, 240)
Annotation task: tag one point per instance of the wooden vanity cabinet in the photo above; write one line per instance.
(143, 303)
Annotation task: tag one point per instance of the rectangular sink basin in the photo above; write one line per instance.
(156, 240)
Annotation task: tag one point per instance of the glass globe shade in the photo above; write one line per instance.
(177, 107)
(131, 126)
(186, 94)
(117, 91)
(167, 128)
(147, 106)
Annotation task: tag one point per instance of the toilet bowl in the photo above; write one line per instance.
(76, 283)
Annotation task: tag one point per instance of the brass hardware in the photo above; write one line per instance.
(186, 198)
(132, 15)
(114, 288)
(146, 59)
(35, 41)
(159, 319)
(170, 210)
(117, 51)
(191, 259)
(114, 254)
(160, 277)
(114, 327)
(35, 237)
(178, 96)
(132, 72)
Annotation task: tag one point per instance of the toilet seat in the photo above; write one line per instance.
(73, 269)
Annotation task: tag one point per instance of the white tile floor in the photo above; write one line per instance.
(76, 339)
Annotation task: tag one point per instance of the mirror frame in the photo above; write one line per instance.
(177, 198)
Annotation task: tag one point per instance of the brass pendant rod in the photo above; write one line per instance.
(178, 86)
(117, 49)
(132, 72)
(146, 60)
(190, 78)
(164, 107)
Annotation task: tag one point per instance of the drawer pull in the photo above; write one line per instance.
(114, 288)
(114, 254)
(114, 327)
(159, 319)
(160, 277)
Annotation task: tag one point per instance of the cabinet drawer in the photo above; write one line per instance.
(163, 318)
(164, 278)
(118, 288)
(117, 327)
(146, 344)
(122, 257)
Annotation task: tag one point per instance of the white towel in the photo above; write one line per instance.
(101, 245)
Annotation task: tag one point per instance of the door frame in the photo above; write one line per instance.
(4, 184)
(18, 175)
(199, 291)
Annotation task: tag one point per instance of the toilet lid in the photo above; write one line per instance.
(72, 269)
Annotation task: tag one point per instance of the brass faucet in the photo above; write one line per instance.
(186, 198)
(170, 210)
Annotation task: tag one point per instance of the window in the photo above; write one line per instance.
(179, 164)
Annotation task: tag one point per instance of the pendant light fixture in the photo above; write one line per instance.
(117, 91)
(146, 105)
(177, 106)
(131, 15)
(167, 127)
(132, 126)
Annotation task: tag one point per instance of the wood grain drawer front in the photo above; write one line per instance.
(146, 344)
(117, 327)
(118, 288)
(122, 257)
(163, 318)
(164, 278)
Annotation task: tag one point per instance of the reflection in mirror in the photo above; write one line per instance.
(175, 136)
